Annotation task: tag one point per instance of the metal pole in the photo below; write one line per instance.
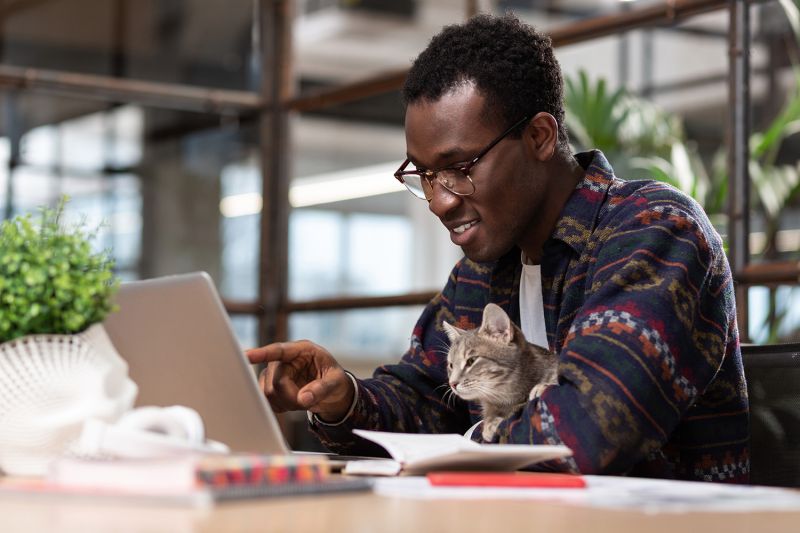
(13, 127)
(739, 150)
(120, 26)
(623, 51)
(648, 59)
(773, 273)
(276, 85)
(669, 12)
(18, 6)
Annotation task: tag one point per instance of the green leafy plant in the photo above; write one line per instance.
(620, 124)
(51, 281)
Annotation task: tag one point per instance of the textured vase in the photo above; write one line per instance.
(49, 386)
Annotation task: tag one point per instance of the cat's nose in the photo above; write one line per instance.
(453, 385)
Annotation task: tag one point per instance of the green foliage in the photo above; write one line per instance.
(594, 116)
(623, 126)
(50, 279)
(641, 139)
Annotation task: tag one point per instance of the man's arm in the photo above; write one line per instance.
(409, 396)
(648, 340)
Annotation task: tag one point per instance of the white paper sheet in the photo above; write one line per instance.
(647, 495)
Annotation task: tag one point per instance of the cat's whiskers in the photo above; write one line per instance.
(449, 395)
(445, 386)
(442, 354)
(450, 398)
(490, 393)
(441, 343)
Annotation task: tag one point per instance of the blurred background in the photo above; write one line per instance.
(256, 140)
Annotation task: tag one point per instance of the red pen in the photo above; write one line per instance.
(506, 479)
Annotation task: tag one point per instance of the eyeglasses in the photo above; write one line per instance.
(455, 179)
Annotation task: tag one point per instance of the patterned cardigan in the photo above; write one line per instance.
(639, 307)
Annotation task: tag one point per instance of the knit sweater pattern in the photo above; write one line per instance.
(639, 306)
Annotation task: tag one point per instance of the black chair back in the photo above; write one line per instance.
(773, 384)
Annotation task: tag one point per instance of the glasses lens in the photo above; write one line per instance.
(414, 184)
(456, 181)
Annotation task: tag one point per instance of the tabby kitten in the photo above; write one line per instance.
(496, 367)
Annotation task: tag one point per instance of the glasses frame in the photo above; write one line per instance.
(431, 175)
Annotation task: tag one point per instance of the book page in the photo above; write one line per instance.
(419, 453)
(373, 467)
(411, 447)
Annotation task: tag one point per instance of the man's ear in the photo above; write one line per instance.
(542, 136)
(452, 332)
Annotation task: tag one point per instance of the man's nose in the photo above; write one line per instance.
(442, 201)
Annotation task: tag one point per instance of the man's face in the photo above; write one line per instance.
(503, 210)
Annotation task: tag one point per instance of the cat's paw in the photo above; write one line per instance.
(490, 428)
(537, 390)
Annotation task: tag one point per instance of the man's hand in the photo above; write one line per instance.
(302, 375)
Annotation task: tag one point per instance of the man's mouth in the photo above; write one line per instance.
(464, 227)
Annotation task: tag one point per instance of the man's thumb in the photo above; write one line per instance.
(311, 394)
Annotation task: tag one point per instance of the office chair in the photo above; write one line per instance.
(773, 385)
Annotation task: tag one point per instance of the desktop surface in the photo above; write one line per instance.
(370, 512)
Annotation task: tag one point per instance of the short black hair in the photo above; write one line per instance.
(511, 64)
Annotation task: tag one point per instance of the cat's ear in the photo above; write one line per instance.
(496, 324)
(452, 332)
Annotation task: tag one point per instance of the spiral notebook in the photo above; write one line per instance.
(188, 480)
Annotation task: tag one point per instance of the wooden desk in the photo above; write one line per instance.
(370, 513)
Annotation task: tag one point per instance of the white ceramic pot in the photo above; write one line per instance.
(49, 386)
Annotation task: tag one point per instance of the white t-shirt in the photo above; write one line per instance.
(531, 310)
(531, 306)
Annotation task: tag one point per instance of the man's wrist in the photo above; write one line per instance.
(315, 419)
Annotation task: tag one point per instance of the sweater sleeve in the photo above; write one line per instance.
(408, 396)
(648, 339)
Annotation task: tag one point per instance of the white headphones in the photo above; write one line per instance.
(147, 432)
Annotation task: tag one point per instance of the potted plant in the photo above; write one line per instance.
(58, 368)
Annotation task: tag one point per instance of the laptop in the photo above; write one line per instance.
(180, 348)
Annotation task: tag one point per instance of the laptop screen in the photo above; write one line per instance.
(181, 350)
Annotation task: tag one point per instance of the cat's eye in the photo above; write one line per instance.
(470, 361)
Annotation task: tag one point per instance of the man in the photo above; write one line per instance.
(626, 281)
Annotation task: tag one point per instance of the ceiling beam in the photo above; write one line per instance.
(108, 88)
(191, 98)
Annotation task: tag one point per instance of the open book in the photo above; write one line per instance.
(414, 453)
